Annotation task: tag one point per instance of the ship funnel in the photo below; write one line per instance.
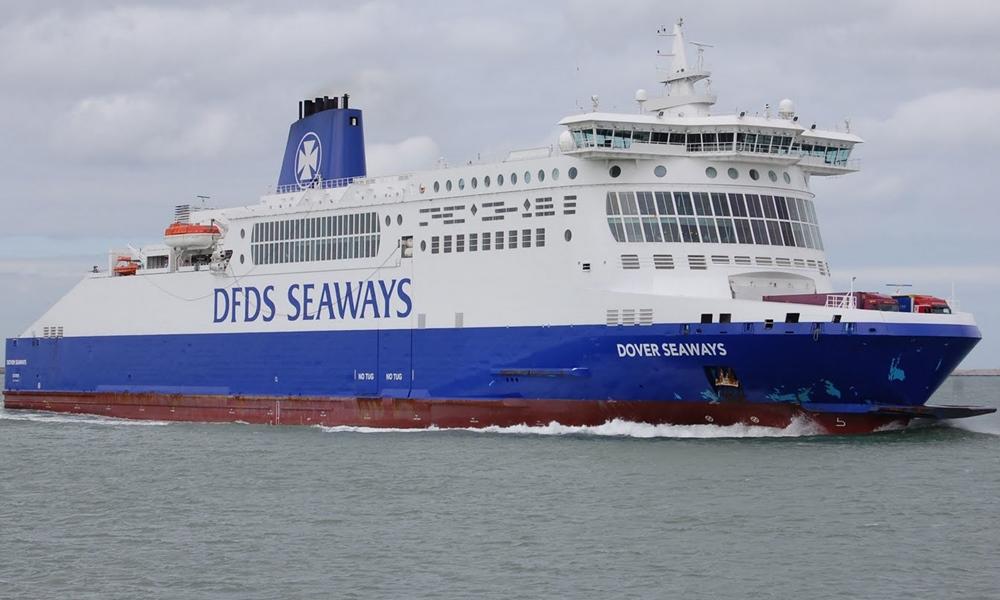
(327, 142)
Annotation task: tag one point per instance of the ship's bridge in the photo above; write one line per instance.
(679, 123)
(610, 136)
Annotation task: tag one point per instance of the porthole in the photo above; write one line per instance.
(772, 175)
(571, 172)
(733, 173)
(568, 235)
(711, 172)
(475, 183)
(388, 220)
(461, 183)
(541, 175)
(555, 174)
(486, 181)
(437, 186)
(243, 233)
(242, 259)
(399, 219)
(500, 179)
(423, 245)
(513, 178)
(527, 177)
(615, 171)
(660, 171)
(754, 174)
(787, 177)
(447, 185)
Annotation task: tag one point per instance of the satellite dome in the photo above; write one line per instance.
(641, 95)
(786, 109)
(566, 143)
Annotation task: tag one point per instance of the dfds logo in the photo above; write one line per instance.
(308, 158)
(379, 299)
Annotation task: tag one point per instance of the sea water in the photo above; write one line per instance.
(103, 508)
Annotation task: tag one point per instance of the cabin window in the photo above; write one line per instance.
(571, 172)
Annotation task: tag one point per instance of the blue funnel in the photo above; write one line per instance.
(327, 142)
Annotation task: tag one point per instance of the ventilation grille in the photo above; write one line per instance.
(782, 262)
(764, 261)
(627, 316)
(800, 263)
(630, 261)
(182, 213)
(663, 261)
(569, 205)
(53, 331)
(718, 259)
(697, 262)
(742, 260)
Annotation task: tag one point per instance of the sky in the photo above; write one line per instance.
(111, 113)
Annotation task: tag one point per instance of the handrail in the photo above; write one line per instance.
(841, 301)
(318, 184)
(735, 147)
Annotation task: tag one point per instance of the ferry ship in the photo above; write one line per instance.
(661, 266)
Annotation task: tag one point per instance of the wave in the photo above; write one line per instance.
(46, 417)
(617, 428)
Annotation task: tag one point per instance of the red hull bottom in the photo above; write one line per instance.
(451, 413)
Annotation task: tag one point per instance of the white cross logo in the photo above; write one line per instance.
(307, 159)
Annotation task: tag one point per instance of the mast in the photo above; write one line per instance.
(681, 97)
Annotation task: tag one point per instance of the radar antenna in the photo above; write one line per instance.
(701, 53)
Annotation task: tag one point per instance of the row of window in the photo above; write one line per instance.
(486, 240)
(487, 181)
(719, 141)
(316, 227)
(339, 248)
(688, 217)
(336, 237)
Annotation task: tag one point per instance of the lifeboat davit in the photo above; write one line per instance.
(189, 236)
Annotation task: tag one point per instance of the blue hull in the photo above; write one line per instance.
(795, 363)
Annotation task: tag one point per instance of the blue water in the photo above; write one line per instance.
(97, 508)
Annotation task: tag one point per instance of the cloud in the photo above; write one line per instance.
(411, 154)
(964, 119)
(141, 127)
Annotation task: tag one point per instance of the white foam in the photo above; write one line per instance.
(51, 417)
(619, 428)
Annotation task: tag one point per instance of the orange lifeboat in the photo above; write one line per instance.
(189, 236)
(126, 265)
